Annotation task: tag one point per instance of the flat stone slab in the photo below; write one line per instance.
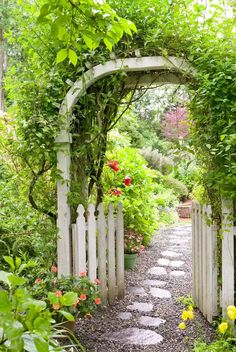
(171, 254)
(150, 321)
(125, 315)
(157, 270)
(179, 241)
(135, 336)
(163, 261)
(154, 283)
(160, 293)
(176, 263)
(141, 307)
(177, 273)
(138, 291)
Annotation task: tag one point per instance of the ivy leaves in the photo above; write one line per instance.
(82, 25)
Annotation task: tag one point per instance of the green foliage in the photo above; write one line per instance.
(25, 323)
(221, 345)
(157, 161)
(180, 190)
(139, 200)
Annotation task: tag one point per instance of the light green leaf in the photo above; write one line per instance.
(108, 43)
(10, 261)
(73, 57)
(68, 299)
(67, 315)
(5, 305)
(4, 277)
(16, 280)
(62, 55)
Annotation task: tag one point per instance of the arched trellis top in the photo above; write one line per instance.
(167, 70)
(174, 70)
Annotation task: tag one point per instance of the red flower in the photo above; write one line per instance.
(54, 269)
(113, 164)
(115, 192)
(58, 293)
(98, 300)
(83, 274)
(83, 297)
(38, 280)
(97, 282)
(127, 181)
(56, 306)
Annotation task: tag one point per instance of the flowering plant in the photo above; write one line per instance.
(133, 242)
(68, 297)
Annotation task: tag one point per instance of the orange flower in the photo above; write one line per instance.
(38, 280)
(83, 274)
(54, 269)
(58, 293)
(98, 300)
(56, 306)
(83, 297)
(97, 282)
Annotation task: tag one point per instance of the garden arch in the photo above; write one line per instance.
(141, 71)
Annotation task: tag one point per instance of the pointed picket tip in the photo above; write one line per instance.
(120, 206)
(111, 208)
(91, 209)
(80, 210)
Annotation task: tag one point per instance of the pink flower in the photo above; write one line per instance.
(98, 300)
(83, 274)
(38, 280)
(56, 306)
(127, 181)
(115, 192)
(58, 293)
(83, 297)
(97, 282)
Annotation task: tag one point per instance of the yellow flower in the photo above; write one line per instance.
(187, 314)
(190, 308)
(182, 326)
(223, 327)
(231, 314)
(233, 308)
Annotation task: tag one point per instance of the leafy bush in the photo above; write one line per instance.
(138, 198)
(157, 161)
(221, 345)
(180, 190)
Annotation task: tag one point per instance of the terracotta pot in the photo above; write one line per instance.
(130, 260)
(184, 210)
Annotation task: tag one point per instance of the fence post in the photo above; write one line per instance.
(120, 252)
(227, 255)
(204, 260)
(102, 250)
(80, 260)
(92, 255)
(111, 254)
(194, 251)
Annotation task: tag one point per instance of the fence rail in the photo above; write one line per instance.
(98, 248)
(208, 293)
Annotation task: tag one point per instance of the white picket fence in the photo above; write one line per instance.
(208, 294)
(98, 249)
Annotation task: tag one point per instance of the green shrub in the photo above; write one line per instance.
(221, 345)
(139, 199)
(157, 161)
(179, 189)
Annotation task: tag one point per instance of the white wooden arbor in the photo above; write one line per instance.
(140, 71)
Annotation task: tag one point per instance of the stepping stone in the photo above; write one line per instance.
(160, 293)
(180, 241)
(157, 270)
(125, 315)
(135, 336)
(163, 261)
(177, 273)
(154, 283)
(150, 321)
(176, 263)
(171, 254)
(141, 307)
(138, 291)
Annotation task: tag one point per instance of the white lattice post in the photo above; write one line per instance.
(64, 262)
(194, 250)
(92, 256)
(111, 254)
(227, 255)
(80, 260)
(120, 252)
(102, 250)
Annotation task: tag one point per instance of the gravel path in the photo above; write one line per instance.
(147, 319)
